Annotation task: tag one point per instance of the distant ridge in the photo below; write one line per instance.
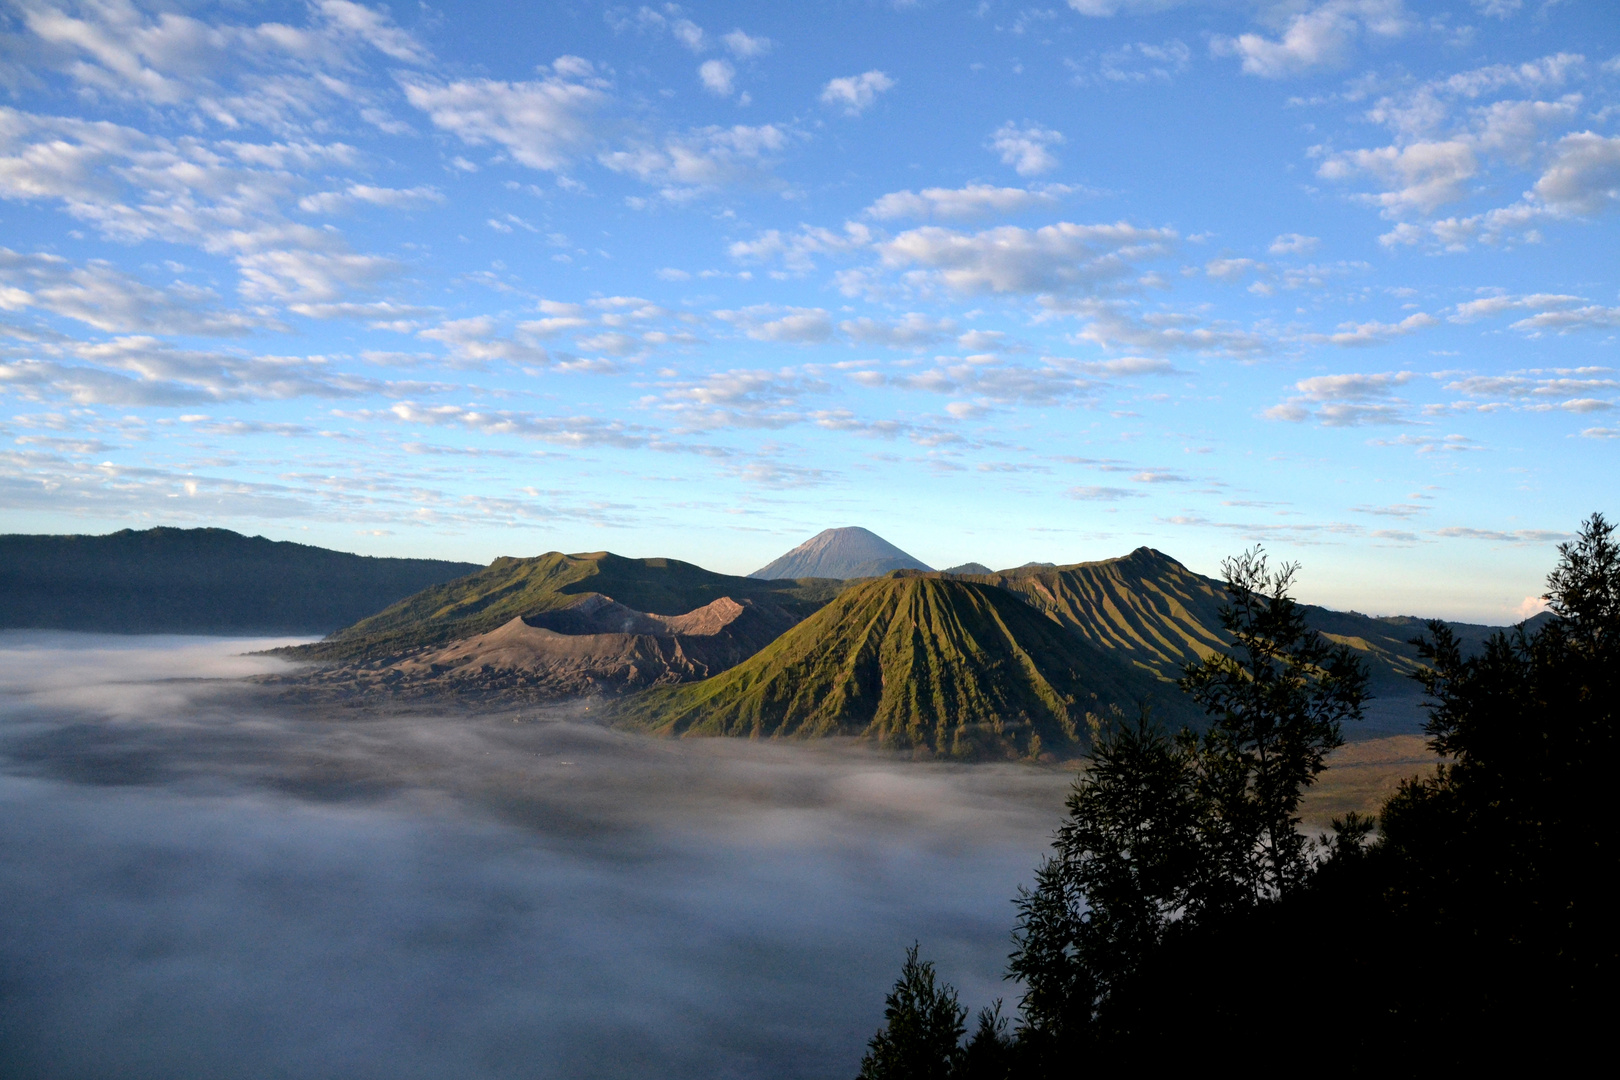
(968, 568)
(913, 661)
(845, 553)
(198, 581)
(593, 646)
(510, 588)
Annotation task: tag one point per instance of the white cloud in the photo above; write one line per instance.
(1111, 325)
(1590, 317)
(1322, 37)
(1102, 9)
(328, 202)
(139, 370)
(1487, 306)
(1103, 494)
(309, 276)
(1345, 400)
(1516, 536)
(375, 28)
(218, 73)
(1294, 244)
(909, 331)
(1138, 62)
(571, 431)
(1055, 258)
(1540, 390)
(739, 398)
(1027, 148)
(856, 93)
(717, 76)
(1449, 138)
(474, 342)
(1230, 269)
(1584, 176)
(703, 157)
(544, 124)
(102, 297)
(972, 201)
(745, 46)
(795, 251)
(1420, 177)
(767, 322)
(1356, 335)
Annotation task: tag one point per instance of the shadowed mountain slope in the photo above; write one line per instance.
(1152, 612)
(511, 588)
(840, 553)
(910, 660)
(592, 646)
(198, 581)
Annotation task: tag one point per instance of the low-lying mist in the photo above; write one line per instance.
(200, 880)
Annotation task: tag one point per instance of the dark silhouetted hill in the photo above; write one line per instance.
(198, 581)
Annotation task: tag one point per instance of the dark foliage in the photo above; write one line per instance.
(1184, 915)
(1168, 834)
(922, 1025)
(1504, 859)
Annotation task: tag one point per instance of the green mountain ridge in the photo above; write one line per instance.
(510, 588)
(911, 660)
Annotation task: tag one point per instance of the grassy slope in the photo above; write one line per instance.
(510, 587)
(1161, 616)
(1156, 613)
(912, 661)
(198, 581)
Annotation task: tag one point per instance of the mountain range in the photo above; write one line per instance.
(966, 662)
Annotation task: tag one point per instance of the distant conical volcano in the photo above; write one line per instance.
(841, 553)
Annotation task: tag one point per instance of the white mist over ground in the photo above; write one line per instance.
(201, 881)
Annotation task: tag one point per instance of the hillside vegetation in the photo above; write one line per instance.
(1156, 614)
(511, 588)
(198, 581)
(910, 660)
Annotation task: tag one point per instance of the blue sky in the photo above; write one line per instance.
(999, 282)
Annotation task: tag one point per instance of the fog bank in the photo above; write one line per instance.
(200, 881)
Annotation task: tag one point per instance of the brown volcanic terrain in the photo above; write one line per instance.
(593, 646)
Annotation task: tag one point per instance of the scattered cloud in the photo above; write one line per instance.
(1028, 148)
(854, 94)
(1058, 258)
(972, 201)
(1294, 244)
(1345, 400)
(718, 77)
(768, 322)
(1324, 36)
(1103, 494)
(544, 123)
(1516, 536)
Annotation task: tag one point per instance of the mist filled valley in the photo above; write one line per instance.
(200, 881)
